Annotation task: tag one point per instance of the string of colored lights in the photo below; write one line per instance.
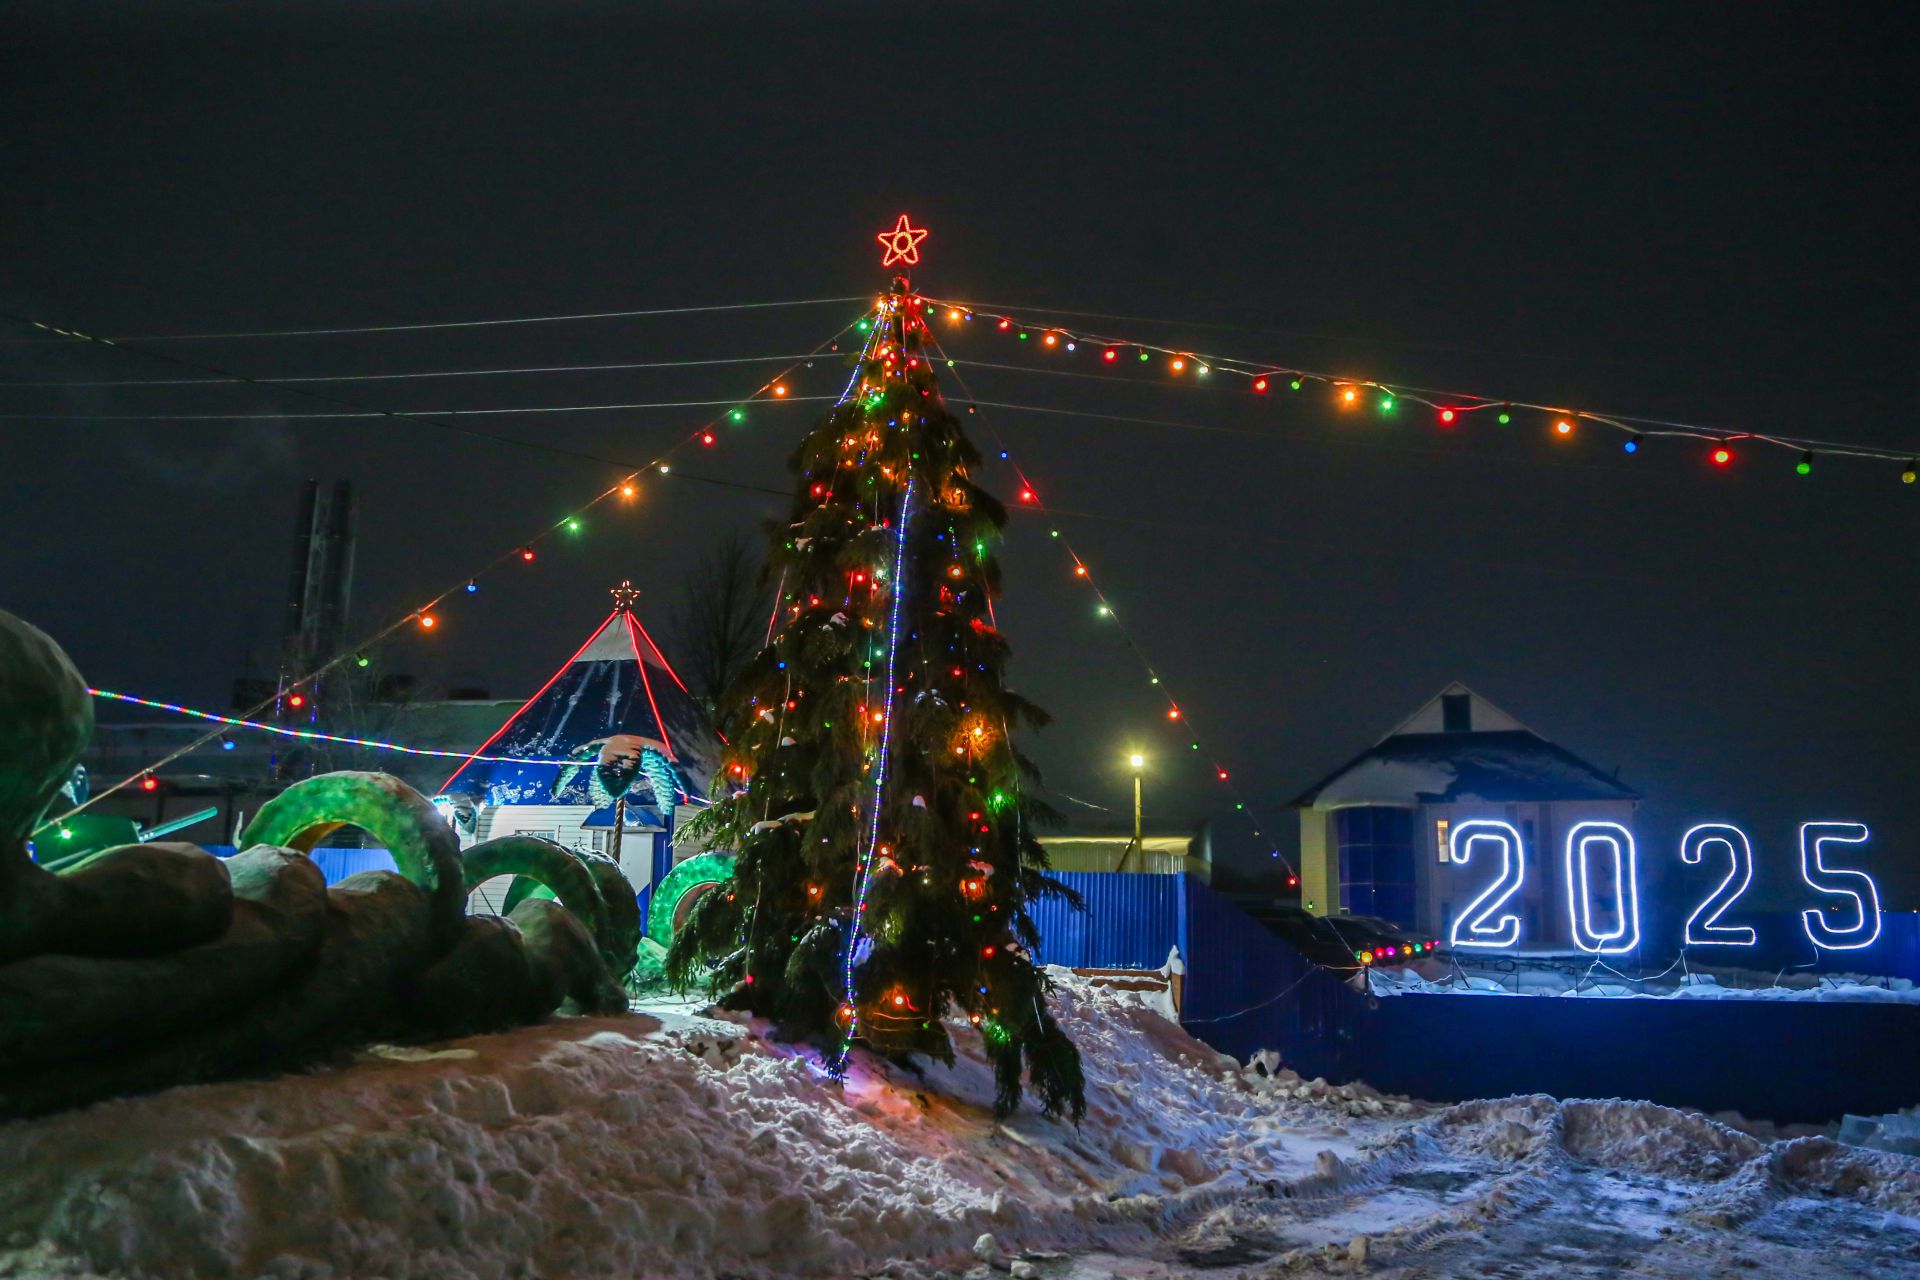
(430, 373)
(424, 616)
(1029, 498)
(466, 324)
(1449, 407)
(897, 586)
(310, 735)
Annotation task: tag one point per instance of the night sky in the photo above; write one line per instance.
(1700, 213)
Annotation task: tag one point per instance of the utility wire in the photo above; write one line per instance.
(1458, 402)
(421, 415)
(358, 409)
(435, 373)
(622, 486)
(458, 324)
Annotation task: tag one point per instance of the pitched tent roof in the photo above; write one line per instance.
(618, 683)
(1487, 755)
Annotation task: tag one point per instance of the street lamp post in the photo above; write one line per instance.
(1139, 763)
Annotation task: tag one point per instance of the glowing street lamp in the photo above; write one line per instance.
(1139, 764)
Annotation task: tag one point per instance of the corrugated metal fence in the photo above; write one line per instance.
(1247, 990)
(1131, 921)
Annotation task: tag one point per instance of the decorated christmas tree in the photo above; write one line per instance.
(880, 811)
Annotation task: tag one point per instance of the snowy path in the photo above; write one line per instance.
(1467, 1196)
(672, 1145)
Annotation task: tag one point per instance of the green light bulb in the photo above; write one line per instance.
(1505, 418)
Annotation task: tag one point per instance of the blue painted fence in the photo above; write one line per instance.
(335, 864)
(1247, 990)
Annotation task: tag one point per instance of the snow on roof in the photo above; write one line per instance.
(1460, 747)
(616, 684)
(1510, 766)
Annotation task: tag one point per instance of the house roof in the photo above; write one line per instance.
(617, 684)
(1423, 763)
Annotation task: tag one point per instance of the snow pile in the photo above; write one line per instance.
(640, 1146)
(1589, 980)
(1898, 1132)
(1829, 989)
(671, 1145)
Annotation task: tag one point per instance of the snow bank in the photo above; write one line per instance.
(1590, 982)
(637, 1146)
(671, 1145)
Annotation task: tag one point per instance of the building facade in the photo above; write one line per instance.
(1376, 834)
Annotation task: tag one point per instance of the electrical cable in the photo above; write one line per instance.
(430, 416)
(466, 324)
(1453, 403)
(422, 615)
(432, 373)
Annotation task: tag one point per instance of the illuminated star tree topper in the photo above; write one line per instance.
(902, 244)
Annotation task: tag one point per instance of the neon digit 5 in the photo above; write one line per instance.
(1703, 926)
(1838, 882)
(1476, 926)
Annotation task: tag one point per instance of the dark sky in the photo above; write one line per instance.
(1702, 213)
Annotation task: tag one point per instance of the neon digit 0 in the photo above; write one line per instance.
(1475, 926)
(1838, 882)
(1625, 935)
(1703, 926)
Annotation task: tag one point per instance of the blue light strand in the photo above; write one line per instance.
(312, 735)
(880, 770)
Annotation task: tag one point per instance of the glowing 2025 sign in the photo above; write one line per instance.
(1489, 922)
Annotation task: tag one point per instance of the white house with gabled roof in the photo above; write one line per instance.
(1375, 834)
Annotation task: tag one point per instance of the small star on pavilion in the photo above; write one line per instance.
(625, 594)
(902, 243)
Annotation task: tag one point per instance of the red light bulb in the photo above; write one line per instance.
(1259, 384)
(1722, 456)
(1446, 415)
(1110, 355)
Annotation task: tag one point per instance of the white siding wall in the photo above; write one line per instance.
(1445, 889)
(560, 823)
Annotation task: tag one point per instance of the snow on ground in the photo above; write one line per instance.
(668, 1144)
(1589, 978)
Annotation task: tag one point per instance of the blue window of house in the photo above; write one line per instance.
(1376, 862)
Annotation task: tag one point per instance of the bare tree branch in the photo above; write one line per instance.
(718, 622)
